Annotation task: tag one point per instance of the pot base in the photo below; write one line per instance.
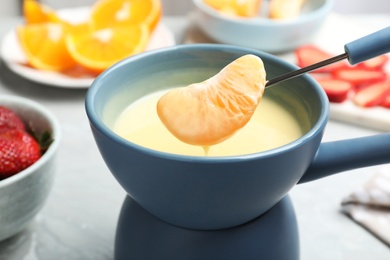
(273, 235)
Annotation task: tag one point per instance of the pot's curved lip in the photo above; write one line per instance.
(98, 123)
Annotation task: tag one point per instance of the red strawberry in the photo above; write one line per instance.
(386, 102)
(336, 90)
(18, 150)
(358, 76)
(373, 94)
(374, 63)
(9, 120)
(310, 54)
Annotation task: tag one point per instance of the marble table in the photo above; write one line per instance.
(79, 219)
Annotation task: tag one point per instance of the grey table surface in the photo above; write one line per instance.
(79, 219)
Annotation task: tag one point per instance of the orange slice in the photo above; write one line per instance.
(285, 9)
(35, 12)
(79, 28)
(209, 112)
(245, 8)
(108, 13)
(44, 46)
(98, 50)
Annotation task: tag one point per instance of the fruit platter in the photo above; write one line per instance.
(70, 47)
(362, 90)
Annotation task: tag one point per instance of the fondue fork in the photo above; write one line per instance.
(362, 49)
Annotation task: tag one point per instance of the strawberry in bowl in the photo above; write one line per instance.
(29, 140)
(18, 148)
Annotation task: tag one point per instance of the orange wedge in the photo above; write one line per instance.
(209, 112)
(79, 28)
(35, 12)
(245, 8)
(108, 13)
(44, 46)
(285, 9)
(98, 50)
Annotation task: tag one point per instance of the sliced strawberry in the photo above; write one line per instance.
(310, 54)
(9, 120)
(336, 90)
(18, 150)
(319, 76)
(373, 94)
(358, 76)
(374, 63)
(386, 102)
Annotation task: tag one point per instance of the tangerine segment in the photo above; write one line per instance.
(285, 9)
(98, 50)
(245, 8)
(209, 112)
(35, 12)
(108, 13)
(44, 46)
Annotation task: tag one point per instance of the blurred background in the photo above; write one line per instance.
(182, 7)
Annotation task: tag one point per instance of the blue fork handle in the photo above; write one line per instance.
(369, 46)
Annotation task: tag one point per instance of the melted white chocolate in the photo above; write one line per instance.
(271, 126)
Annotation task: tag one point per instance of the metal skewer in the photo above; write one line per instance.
(304, 70)
(362, 49)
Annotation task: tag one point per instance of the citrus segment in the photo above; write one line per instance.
(79, 28)
(35, 12)
(209, 112)
(285, 9)
(98, 50)
(108, 13)
(245, 8)
(44, 46)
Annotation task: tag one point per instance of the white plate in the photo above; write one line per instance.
(15, 59)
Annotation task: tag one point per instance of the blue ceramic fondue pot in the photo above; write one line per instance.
(210, 193)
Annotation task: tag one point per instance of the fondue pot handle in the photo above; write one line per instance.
(338, 156)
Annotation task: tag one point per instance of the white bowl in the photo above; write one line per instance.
(23, 194)
(263, 33)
